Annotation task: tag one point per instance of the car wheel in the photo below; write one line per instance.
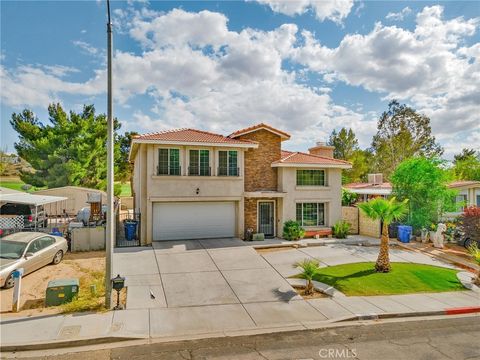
(9, 283)
(58, 257)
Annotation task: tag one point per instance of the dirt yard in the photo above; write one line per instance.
(74, 265)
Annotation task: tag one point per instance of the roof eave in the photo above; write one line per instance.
(308, 165)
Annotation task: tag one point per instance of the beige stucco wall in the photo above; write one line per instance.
(330, 195)
(77, 199)
(369, 227)
(150, 188)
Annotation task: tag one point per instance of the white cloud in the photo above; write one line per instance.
(427, 66)
(199, 73)
(334, 10)
(399, 16)
(86, 47)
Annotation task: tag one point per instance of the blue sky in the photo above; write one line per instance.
(306, 67)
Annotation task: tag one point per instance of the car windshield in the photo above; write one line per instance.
(11, 249)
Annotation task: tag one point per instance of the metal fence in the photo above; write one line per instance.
(121, 236)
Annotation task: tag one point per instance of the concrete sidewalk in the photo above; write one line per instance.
(219, 320)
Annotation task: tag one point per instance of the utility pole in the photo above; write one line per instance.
(110, 233)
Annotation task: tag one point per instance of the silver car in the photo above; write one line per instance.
(30, 251)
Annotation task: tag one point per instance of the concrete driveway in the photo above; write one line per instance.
(224, 285)
(208, 285)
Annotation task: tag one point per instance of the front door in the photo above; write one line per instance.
(266, 217)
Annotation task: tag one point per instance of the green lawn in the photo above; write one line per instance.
(360, 279)
(15, 183)
(126, 189)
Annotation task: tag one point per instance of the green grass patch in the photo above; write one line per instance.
(361, 279)
(87, 299)
(126, 190)
(15, 183)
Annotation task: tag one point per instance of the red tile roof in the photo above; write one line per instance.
(250, 129)
(463, 183)
(290, 157)
(191, 135)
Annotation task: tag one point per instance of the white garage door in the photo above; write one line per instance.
(193, 220)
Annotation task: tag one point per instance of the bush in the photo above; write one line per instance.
(341, 229)
(470, 223)
(292, 230)
(348, 197)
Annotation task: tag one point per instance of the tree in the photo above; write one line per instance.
(310, 268)
(345, 143)
(424, 182)
(69, 150)
(465, 154)
(402, 133)
(346, 148)
(466, 165)
(362, 162)
(386, 211)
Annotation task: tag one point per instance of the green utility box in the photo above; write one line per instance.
(61, 291)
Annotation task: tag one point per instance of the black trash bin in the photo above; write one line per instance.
(393, 230)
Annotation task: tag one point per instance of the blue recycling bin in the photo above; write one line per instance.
(130, 230)
(404, 233)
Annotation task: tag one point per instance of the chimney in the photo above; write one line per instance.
(322, 149)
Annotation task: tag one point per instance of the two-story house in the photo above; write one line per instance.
(192, 184)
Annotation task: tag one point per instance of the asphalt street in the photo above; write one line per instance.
(455, 338)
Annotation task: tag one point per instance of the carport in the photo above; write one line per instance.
(35, 200)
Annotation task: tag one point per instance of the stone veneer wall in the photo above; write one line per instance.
(350, 215)
(259, 174)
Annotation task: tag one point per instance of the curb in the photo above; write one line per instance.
(65, 343)
(449, 311)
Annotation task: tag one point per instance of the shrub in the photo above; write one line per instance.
(475, 252)
(470, 223)
(348, 197)
(341, 229)
(292, 230)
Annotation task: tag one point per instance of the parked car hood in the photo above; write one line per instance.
(4, 263)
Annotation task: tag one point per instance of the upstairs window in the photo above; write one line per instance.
(311, 178)
(199, 163)
(168, 162)
(228, 163)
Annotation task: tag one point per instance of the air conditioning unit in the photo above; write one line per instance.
(375, 179)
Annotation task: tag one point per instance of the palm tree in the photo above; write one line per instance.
(386, 211)
(310, 268)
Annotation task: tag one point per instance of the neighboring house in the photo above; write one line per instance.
(468, 191)
(194, 184)
(375, 187)
(76, 199)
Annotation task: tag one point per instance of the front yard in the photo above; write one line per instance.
(361, 279)
(88, 267)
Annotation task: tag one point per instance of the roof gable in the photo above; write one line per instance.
(298, 159)
(258, 127)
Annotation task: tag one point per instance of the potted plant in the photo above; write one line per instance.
(341, 229)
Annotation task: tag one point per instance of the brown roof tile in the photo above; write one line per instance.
(191, 135)
(257, 127)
